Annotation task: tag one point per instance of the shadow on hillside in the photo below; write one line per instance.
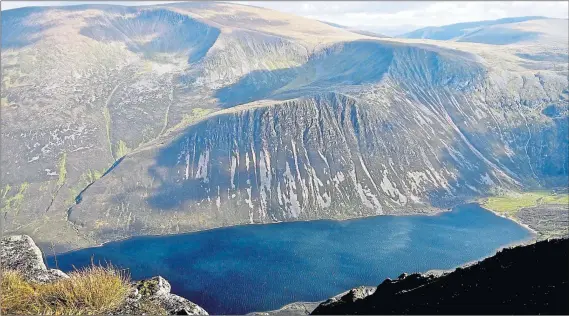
(346, 64)
(182, 156)
(155, 31)
(16, 32)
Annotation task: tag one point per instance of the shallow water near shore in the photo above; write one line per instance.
(242, 269)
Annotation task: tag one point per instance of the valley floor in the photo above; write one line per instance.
(545, 213)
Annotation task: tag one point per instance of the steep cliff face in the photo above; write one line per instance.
(529, 279)
(127, 121)
(411, 141)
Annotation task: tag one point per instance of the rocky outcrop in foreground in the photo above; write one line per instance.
(21, 253)
(305, 308)
(531, 279)
(292, 309)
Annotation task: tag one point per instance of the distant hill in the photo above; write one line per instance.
(498, 32)
(357, 30)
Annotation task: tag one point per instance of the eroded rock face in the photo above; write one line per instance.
(20, 253)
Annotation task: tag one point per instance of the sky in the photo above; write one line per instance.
(386, 17)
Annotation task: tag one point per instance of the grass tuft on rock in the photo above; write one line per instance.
(89, 291)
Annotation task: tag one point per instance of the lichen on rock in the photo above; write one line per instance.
(21, 253)
(157, 290)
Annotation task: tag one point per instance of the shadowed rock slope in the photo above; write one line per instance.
(532, 279)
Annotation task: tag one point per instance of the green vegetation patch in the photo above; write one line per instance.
(513, 202)
(5, 190)
(61, 166)
(121, 149)
(13, 202)
(86, 179)
(4, 101)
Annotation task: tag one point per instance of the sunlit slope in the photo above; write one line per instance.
(84, 85)
(498, 32)
(204, 114)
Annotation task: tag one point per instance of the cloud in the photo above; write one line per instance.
(388, 17)
(7, 5)
(395, 17)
